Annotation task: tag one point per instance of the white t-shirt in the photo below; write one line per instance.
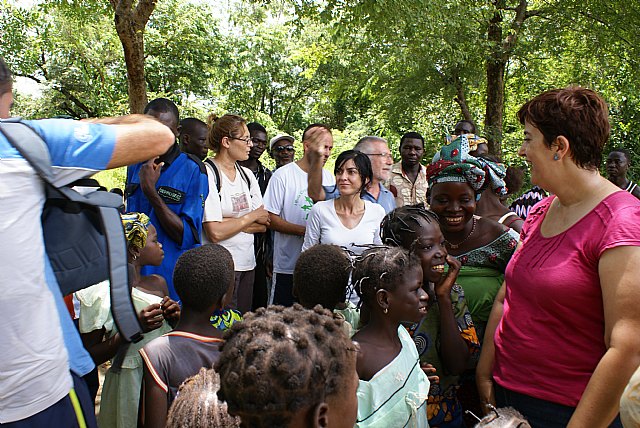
(324, 227)
(287, 197)
(234, 201)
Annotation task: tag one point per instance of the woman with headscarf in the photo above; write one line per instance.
(483, 246)
(121, 387)
(566, 321)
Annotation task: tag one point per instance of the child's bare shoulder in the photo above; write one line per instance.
(154, 284)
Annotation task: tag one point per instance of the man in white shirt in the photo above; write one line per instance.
(289, 205)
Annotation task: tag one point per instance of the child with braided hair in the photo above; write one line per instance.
(446, 337)
(121, 388)
(203, 278)
(393, 389)
(197, 404)
(289, 368)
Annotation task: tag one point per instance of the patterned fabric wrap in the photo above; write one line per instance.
(135, 228)
(223, 319)
(455, 164)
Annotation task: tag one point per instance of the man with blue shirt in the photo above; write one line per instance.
(381, 162)
(171, 190)
(39, 343)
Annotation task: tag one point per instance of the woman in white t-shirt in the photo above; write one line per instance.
(347, 221)
(233, 211)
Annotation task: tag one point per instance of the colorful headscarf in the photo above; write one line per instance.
(135, 229)
(455, 164)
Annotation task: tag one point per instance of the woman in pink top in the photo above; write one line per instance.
(562, 340)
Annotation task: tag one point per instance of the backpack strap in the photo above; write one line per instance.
(35, 151)
(216, 173)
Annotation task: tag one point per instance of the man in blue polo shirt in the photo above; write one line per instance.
(171, 190)
(40, 346)
(381, 162)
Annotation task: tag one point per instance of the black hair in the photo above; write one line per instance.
(458, 127)
(381, 267)
(189, 124)
(197, 404)
(405, 220)
(279, 360)
(203, 275)
(6, 79)
(314, 125)
(412, 135)
(321, 276)
(514, 179)
(255, 126)
(362, 163)
(163, 105)
(624, 151)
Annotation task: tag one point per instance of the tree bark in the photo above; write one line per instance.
(130, 21)
(496, 65)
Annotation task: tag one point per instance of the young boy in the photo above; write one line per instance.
(203, 278)
(321, 277)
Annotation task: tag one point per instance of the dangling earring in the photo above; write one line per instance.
(386, 310)
(556, 157)
(134, 257)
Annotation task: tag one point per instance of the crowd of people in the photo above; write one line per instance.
(382, 295)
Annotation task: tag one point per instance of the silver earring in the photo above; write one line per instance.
(386, 310)
(556, 157)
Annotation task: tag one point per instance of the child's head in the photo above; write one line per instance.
(197, 404)
(505, 417)
(289, 367)
(415, 228)
(203, 277)
(321, 276)
(143, 247)
(389, 282)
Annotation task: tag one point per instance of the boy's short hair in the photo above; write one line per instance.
(203, 275)
(321, 276)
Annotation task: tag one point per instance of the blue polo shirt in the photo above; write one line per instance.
(183, 186)
(385, 198)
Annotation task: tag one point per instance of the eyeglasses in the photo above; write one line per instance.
(382, 155)
(283, 148)
(246, 140)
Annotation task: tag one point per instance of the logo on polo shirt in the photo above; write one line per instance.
(171, 195)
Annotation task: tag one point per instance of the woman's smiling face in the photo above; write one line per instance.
(454, 203)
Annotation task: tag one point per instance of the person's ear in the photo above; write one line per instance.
(225, 142)
(227, 297)
(382, 299)
(321, 415)
(134, 253)
(562, 146)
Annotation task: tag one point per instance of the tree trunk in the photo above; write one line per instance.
(496, 66)
(130, 22)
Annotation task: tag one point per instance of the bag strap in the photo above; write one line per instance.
(33, 148)
(30, 145)
(216, 174)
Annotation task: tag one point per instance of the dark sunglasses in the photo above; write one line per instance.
(283, 148)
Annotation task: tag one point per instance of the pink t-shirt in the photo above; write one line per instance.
(551, 336)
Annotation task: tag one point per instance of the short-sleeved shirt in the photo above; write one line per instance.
(183, 186)
(385, 197)
(236, 199)
(406, 191)
(324, 227)
(34, 361)
(287, 197)
(178, 355)
(551, 335)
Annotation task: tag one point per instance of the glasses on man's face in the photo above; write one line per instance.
(382, 155)
(247, 140)
(281, 149)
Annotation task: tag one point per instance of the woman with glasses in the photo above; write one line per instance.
(233, 210)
